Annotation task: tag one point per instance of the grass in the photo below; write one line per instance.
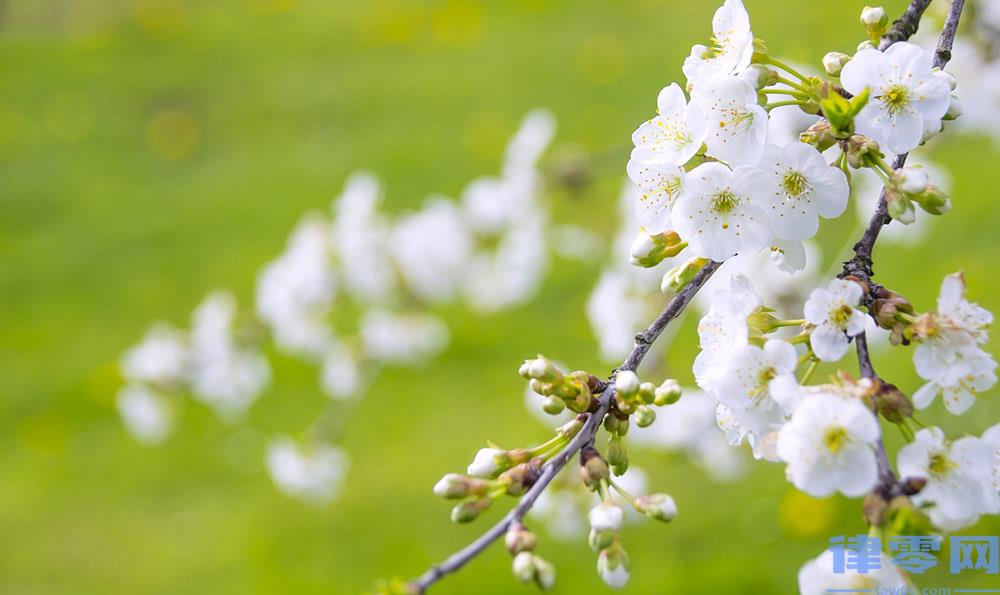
(151, 151)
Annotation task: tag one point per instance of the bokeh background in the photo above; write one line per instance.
(153, 150)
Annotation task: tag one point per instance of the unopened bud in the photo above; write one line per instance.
(553, 405)
(489, 462)
(593, 468)
(658, 506)
(678, 277)
(543, 370)
(454, 485)
(859, 148)
(867, 45)
(833, 62)
(761, 321)
(617, 456)
(647, 392)
(913, 485)
(911, 179)
(667, 393)
(598, 540)
(606, 516)
(519, 539)
(520, 478)
(613, 566)
(933, 200)
(760, 76)
(627, 383)
(615, 425)
(523, 567)
(819, 135)
(468, 511)
(644, 416)
(900, 208)
(874, 508)
(893, 404)
(875, 20)
(528, 567)
(650, 250)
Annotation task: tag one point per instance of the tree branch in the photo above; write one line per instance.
(584, 438)
(861, 264)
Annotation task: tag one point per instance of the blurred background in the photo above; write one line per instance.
(154, 150)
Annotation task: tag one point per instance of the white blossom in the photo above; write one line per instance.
(723, 329)
(736, 123)
(907, 98)
(340, 372)
(485, 463)
(360, 236)
(817, 577)
(659, 186)
(959, 477)
(403, 339)
(732, 45)
(512, 272)
(716, 215)
(312, 472)
(147, 415)
(432, 248)
(606, 516)
(832, 309)
(796, 187)
(161, 358)
(828, 445)
(674, 136)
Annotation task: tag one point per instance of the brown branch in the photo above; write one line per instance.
(861, 264)
(584, 438)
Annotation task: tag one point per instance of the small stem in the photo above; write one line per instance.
(775, 62)
(622, 491)
(771, 106)
(809, 371)
(791, 83)
(798, 94)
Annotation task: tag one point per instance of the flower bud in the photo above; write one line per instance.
(519, 539)
(911, 179)
(468, 511)
(874, 507)
(523, 567)
(900, 208)
(933, 200)
(913, 485)
(678, 277)
(520, 478)
(454, 485)
(617, 456)
(553, 405)
(545, 574)
(657, 506)
(489, 462)
(833, 62)
(572, 427)
(875, 20)
(524, 370)
(867, 45)
(647, 392)
(599, 540)
(543, 388)
(667, 393)
(581, 403)
(627, 383)
(644, 416)
(593, 468)
(955, 109)
(893, 404)
(858, 150)
(819, 135)
(615, 425)
(606, 516)
(613, 566)
(761, 321)
(543, 370)
(650, 250)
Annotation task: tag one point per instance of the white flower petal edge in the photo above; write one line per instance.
(832, 310)
(736, 124)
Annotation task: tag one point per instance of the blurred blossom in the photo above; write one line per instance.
(574, 242)
(161, 358)
(410, 338)
(360, 239)
(786, 123)
(146, 414)
(296, 290)
(341, 375)
(510, 274)
(312, 473)
(432, 248)
(226, 376)
(529, 143)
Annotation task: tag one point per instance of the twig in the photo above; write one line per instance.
(585, 437)
(861, 265)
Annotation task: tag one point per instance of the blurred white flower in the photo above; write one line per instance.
(312, 473)
(360, 236)
(225, 375)
(147, 415)
(403, 339)
(340, 375)
(161, 358)
(432, 248)
(817, 577)
(512, 272)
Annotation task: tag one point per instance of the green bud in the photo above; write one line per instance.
(840, 111)
(617, 455)
(860, 149)
(454, 485)
(543, 388)
(520, 478)
(580, 403)
(761, 321)
(678, 277)
(625, 404)
(644, 416)
(955, 109)
(553, 405)
(933, 200)
(893, 404)
(875, 21)
(759, 50)
(528, 567)
(613, 566)
(667, 393)
(650, 250)
(761, 76)
(593, 468)
(543, 370)
(647, 392)
(902, 518)
(616, 425)
(627, 383)
(819, 135)
(900, 207)
(657, 506)
(599, 540)
(468, 511)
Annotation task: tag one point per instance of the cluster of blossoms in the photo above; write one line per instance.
(489, 250)
(716, 180)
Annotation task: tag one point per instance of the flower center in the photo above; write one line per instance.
(840, 315)
(940, 464)
(896, 98)
(835, 439)
(794, 183)
(724, 202)
(766, 375)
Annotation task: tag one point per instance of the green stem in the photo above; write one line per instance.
(809, 371)
(775, 62)
(622, 491)
(791, 83)
(799, 94)
(771, 106)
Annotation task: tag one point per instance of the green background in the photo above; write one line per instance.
(151, 151)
